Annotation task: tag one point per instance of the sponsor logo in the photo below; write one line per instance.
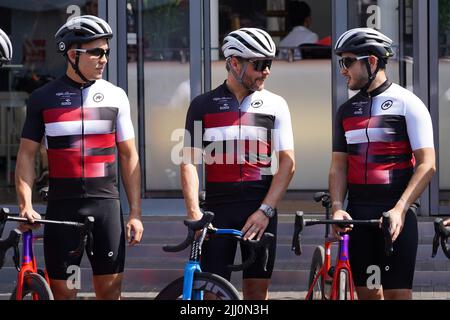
(225, 106)
(387, 105)
(62, 46)
(359, 111)
(257, 103)
(98, 97)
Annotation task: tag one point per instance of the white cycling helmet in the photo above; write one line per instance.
(249, 43)
(80, 30)
(5, 48)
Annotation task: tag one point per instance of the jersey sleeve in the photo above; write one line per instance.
(124, 125)
(34, 126)
(339, 140)
(418, 124)
(283, 135)
(194, 125)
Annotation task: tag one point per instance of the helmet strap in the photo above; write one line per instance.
(371, 75)
(75, 65)
(238, 77)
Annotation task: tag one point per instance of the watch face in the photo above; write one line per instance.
(268, 211)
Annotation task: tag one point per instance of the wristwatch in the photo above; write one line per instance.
(268, 211)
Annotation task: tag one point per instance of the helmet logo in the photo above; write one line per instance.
(257, 103)
(98, 97)
(61, 46)
(387, 105)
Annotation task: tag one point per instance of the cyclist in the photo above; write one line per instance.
(84, 120)
(242, 123)
(383, 155)
(5, 48)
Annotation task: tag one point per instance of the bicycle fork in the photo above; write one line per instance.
(190, 269)
(342, 265)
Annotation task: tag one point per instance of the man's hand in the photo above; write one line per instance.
(397, 222)
(31, 215)
(447, 222)
(134, 230)
(341, 215)
(255, 226)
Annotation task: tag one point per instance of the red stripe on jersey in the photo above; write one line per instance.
(389, 148)
(62, 114)
(70, 114)
(232, 173)
(64, 163)
(390, 166)
(355, 172)
(355, 123)
(100, 159)
(100, 140)
(226, 119)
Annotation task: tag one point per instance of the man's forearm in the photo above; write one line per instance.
(190, 185)
(24, 179)
(280, 180)
(131, 175)
(338, 189)
(417, 184)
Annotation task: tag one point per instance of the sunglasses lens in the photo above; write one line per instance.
(99, 52)
(261, 65)
(346, 62)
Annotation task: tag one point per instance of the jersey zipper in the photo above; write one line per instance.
(83, 180)
(366, 174)
(239, 151)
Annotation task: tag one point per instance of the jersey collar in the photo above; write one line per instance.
(75, 84)
(382, 88)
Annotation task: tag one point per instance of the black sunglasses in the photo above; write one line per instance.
(261, 65)
(96, 52)
(347, 62)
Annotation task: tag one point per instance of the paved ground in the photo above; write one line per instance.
(290, 295)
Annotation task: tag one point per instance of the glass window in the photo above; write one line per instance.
(303, 80)
(166, 85)
(31, 26)
(444, 102)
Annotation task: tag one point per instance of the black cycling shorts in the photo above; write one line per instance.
(367, 249)
(218, 252)
(108, 236)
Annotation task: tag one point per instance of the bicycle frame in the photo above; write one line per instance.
(193, 266)
(342, 263)
(28, 265)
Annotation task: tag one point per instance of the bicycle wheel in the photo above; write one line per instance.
(316, 264)
(343, 285)
(207, 282)
(34, 283)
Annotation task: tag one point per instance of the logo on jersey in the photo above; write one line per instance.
(387, 105)
(359, 112)
(257, 103)
(98, 97)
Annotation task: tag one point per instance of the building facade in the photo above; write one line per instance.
(165, 52)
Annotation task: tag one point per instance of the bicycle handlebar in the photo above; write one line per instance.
(205, 222)
(86, 237)
(441, 234)
(301, 222)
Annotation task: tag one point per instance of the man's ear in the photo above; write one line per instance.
(373, 62)
(71, 55)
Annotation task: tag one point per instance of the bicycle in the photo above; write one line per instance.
(194, 283)
(327, 282)
(30, 279)
(441, 234)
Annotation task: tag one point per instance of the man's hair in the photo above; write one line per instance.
(299, 10)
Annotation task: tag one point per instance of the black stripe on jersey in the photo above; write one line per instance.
(100, 151)
(396, 122)
(107, 113)
(63, 142)
(397, 158)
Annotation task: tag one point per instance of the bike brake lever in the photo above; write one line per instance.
(436, 237)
